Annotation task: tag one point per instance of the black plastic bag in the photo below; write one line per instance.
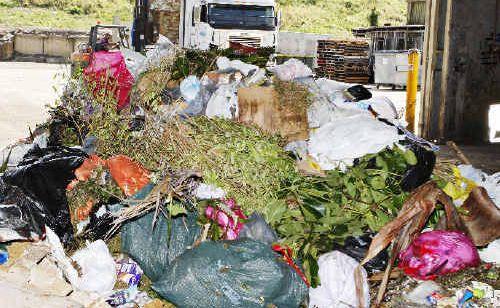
(359, 93)
(242, 273)
(21, 217)
(357, 247)
(43, 175)
(421, 172)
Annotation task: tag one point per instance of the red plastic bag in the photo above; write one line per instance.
(129, 175)
(107, 72)
(437, 253)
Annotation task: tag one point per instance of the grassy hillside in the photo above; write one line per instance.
(318, 16)
(72, 14)
(338, 16)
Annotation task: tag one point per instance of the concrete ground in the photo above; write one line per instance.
(25, 90)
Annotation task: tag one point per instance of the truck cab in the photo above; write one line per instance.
(218, 23)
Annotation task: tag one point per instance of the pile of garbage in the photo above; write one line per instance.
(217, 179)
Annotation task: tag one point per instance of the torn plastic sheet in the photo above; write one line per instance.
(43, 175)
(21, 217)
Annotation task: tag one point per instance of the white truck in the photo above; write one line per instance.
(206, 23)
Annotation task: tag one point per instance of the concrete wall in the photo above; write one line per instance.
(299, 44)
(47, 43)
(462, 69)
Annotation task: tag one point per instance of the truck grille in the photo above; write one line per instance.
(246, 40)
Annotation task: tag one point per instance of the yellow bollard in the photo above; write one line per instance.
(412, 88)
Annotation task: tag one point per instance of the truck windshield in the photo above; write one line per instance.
(226, 16)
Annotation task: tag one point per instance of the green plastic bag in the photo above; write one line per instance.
(152, 248)
(243, 273)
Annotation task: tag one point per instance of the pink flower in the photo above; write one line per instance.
(238, 212)
(210, 212)
(230, 203)
(222, 219)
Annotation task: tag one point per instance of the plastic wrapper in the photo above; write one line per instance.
(243, 273)
(129, 175)
(338, 285)
(437, 253)
(128, 271)
(490, 182)
(107, 74)
(155, 247)
(43, 175)
(357, 247)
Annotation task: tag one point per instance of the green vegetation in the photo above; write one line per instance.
(337, 17)
(67, 14)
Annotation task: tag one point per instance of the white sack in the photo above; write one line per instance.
(338, 286)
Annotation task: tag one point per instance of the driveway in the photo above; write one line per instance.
(25, 90)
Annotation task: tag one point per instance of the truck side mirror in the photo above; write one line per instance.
(204, 13)
(196, 14)
(278, 19)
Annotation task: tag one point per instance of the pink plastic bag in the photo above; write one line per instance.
(437, 253)
(107, 72)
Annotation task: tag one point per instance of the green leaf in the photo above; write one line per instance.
(381, 163)
(351, 189)
(176, 209)
(410, 158)
(377, 182)
(275, 211)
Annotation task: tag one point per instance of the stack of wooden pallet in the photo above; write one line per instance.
(344, 60)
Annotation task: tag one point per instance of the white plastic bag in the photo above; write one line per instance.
(291, 69)
(190, 87)
(98, 269)
(223, 103)
(491, 254)
(97, 266)
(338, 143)
(338, 284)
(224, 63)
(136, 62)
